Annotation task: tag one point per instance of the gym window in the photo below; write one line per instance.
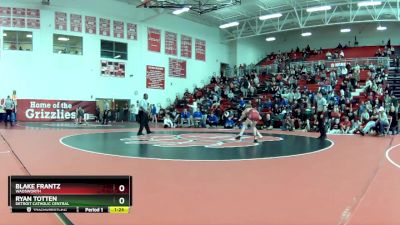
(66, 44)
(114, 50)
(17, 40)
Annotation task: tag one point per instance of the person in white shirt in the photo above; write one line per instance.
(328, 55)
(144, 115)
(344, 71)
(9, 106)
(168, 122)
(341, 54)
(133, 114)
(106, 112)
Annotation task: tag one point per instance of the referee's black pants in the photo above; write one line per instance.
(144, 122)
(8, 117)
(321, 124)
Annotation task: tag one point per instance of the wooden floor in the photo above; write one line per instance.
(352, 183)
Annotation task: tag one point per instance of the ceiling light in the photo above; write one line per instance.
(232, 24)
(29, 35)
(345, 30)
(306, 34)
(381, 28)
(369, 3)
(4, 34)
(179, 11)
(117, 56)
(319, 8)
(270, 16)
(63, 39)
(270, 39)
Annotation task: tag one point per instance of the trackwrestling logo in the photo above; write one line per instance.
(208, 140)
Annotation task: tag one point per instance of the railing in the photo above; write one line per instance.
(334, 63)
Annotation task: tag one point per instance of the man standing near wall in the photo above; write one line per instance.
(144, 115)
(9, 106)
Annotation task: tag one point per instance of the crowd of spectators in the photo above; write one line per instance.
(287, 100)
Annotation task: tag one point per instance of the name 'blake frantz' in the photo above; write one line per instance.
(37, 186)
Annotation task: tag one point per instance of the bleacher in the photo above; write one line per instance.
(356, 52)
(350, 52)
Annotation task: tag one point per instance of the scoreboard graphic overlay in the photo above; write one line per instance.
(70, 194)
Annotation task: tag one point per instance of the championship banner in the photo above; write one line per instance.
(33, 23)
(131, 32)
(105, 27)
(34, 13)
(18, 22)
(118, 29)
(60, 21)
(155, 77)
(90, 24)
(186, 46)
(200, 49)
(153, 40)
(5, 22)
(18, 12)
(19, 17)
(40, 110)
(171, 43)
(112, 69)
(177, 68)
(5, 11)
(76, 23)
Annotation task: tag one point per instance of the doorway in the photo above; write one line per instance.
(119, 108)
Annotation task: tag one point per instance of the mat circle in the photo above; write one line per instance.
(194, 146)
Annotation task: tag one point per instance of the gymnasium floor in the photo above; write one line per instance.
(203, 176)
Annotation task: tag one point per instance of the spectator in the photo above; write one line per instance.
(345, 126)
(198, 119)
(168, 122)
(371, 123)
(154, 114)
(185, 117)
(328, 55)
(341, 54)
(212, 120)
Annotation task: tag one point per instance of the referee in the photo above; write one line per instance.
(321, 109)
(144, 115)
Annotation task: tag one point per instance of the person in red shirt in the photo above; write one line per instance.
(345, 125)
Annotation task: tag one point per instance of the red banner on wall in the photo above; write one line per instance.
(104, 27)
(200, 49)
(153, 40)
(90, 24)
(5, 11)
(171, 43)
(76, 23)
(33, 23)
(131, 31)
(40, 110)
(18, 22)
(34, 13)
(155, 77)
(186, 46)
(60, 21)
(177, 68)
(18, 12)
(5, 22)
(118, 29)
(112, 69)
